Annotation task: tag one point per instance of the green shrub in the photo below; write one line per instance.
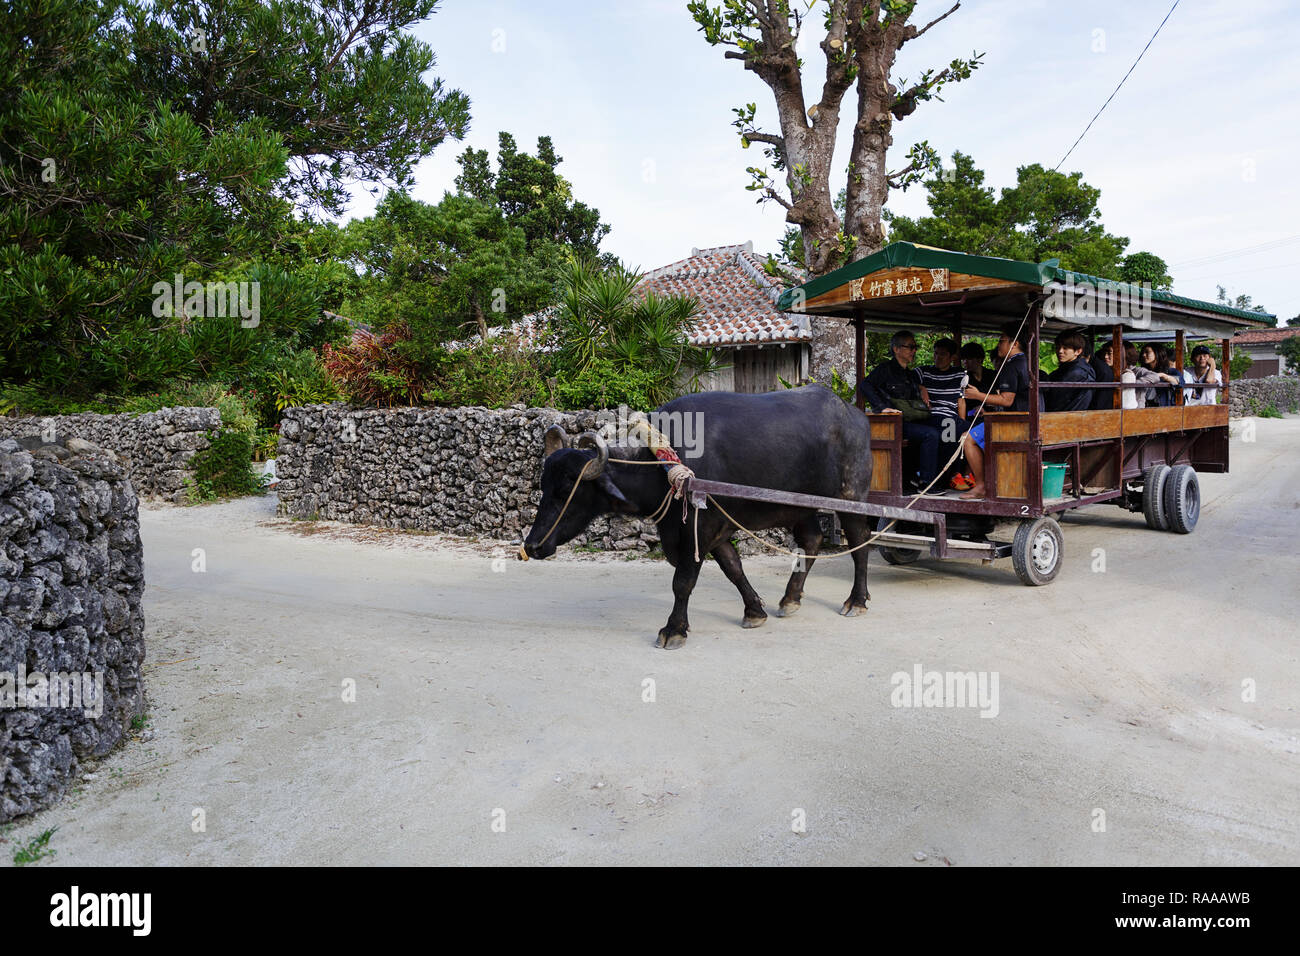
(377, 369)
(495, 375)
(222, 469)
(604, 384)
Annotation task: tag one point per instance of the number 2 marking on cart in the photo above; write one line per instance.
(1024, 509)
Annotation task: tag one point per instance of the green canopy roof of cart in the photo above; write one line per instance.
(906, 254)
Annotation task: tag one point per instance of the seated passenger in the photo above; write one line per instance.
(894, 387)
(1073, 368)
(1202, 370)
(981, 376)
(1155, 359)
(1010, 392)
(1101, 367)
(945, 384)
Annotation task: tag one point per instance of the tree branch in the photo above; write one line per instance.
(911, 33)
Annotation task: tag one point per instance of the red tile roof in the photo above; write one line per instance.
(1265, 336)
(737, 297)
(737, 302)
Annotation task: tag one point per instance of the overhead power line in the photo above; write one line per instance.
(1234, 253)
(1117, 89)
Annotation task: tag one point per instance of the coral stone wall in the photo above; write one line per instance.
(154, 448)
(71, 583)
(466, 471)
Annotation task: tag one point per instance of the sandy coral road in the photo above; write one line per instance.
(514, 692)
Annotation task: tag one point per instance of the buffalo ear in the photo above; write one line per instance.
(620, 501)
(555, 440)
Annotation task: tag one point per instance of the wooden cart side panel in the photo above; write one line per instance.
(1058, 428)
(1152, 421)
(1205, 416)
(1006, 426)
(886, 452)
(1012, 474)
(882, 469)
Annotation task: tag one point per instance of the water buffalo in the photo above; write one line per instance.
(802, 440)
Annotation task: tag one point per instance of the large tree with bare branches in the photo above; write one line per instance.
(861, 42)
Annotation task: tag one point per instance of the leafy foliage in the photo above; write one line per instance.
(1139, 267)
(139, 141)
(342, 85)
(1246, 303)
(496, 374)
(374, 369)
(532, 196)
(1046, 215)
(222, 469)
(620, 346)
(1289, 349)
(445, 271)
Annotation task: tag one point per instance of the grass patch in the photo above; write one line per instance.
(36, 848)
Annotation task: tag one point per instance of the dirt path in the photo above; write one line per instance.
(492, 691)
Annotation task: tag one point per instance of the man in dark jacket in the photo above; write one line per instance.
(893, 383)
(1073, 368)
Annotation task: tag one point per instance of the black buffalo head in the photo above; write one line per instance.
(577, 476)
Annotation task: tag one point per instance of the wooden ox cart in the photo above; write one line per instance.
(1141, 459)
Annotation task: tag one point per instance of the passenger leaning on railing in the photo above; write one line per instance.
(1202, 371)
(1155, 359)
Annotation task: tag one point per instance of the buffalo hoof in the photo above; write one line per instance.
(789, 609)
(853, 610)
(670, 640)
(758, 621)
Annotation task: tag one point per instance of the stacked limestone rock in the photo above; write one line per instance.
(155, 448)
(71, 583)
(466, 471)
(1250, 396)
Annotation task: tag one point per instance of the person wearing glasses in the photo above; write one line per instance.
(894, 387)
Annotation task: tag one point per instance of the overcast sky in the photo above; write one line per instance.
(1196, 157)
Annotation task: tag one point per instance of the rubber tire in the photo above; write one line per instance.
(1035, 570)
(1153, 497)
(902, 556)
(899, 556)
(1182, 494)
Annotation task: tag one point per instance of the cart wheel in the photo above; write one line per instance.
(1153, 497)
(899, 555)
(1182, 494)
(1036, 552)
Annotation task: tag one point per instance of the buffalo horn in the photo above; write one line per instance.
(555, 440)
(593, 440)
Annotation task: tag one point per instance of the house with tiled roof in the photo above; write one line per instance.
(1261, 345)
(760, 344)
(738, 315)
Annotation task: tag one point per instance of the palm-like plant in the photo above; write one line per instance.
(603, 320)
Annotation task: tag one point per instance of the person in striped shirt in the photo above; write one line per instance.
(945, 390)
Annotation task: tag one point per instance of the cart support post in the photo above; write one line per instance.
(860, 360)
(1035, 456)
(1178, 346)
(1223, 372)
(1117, 362)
